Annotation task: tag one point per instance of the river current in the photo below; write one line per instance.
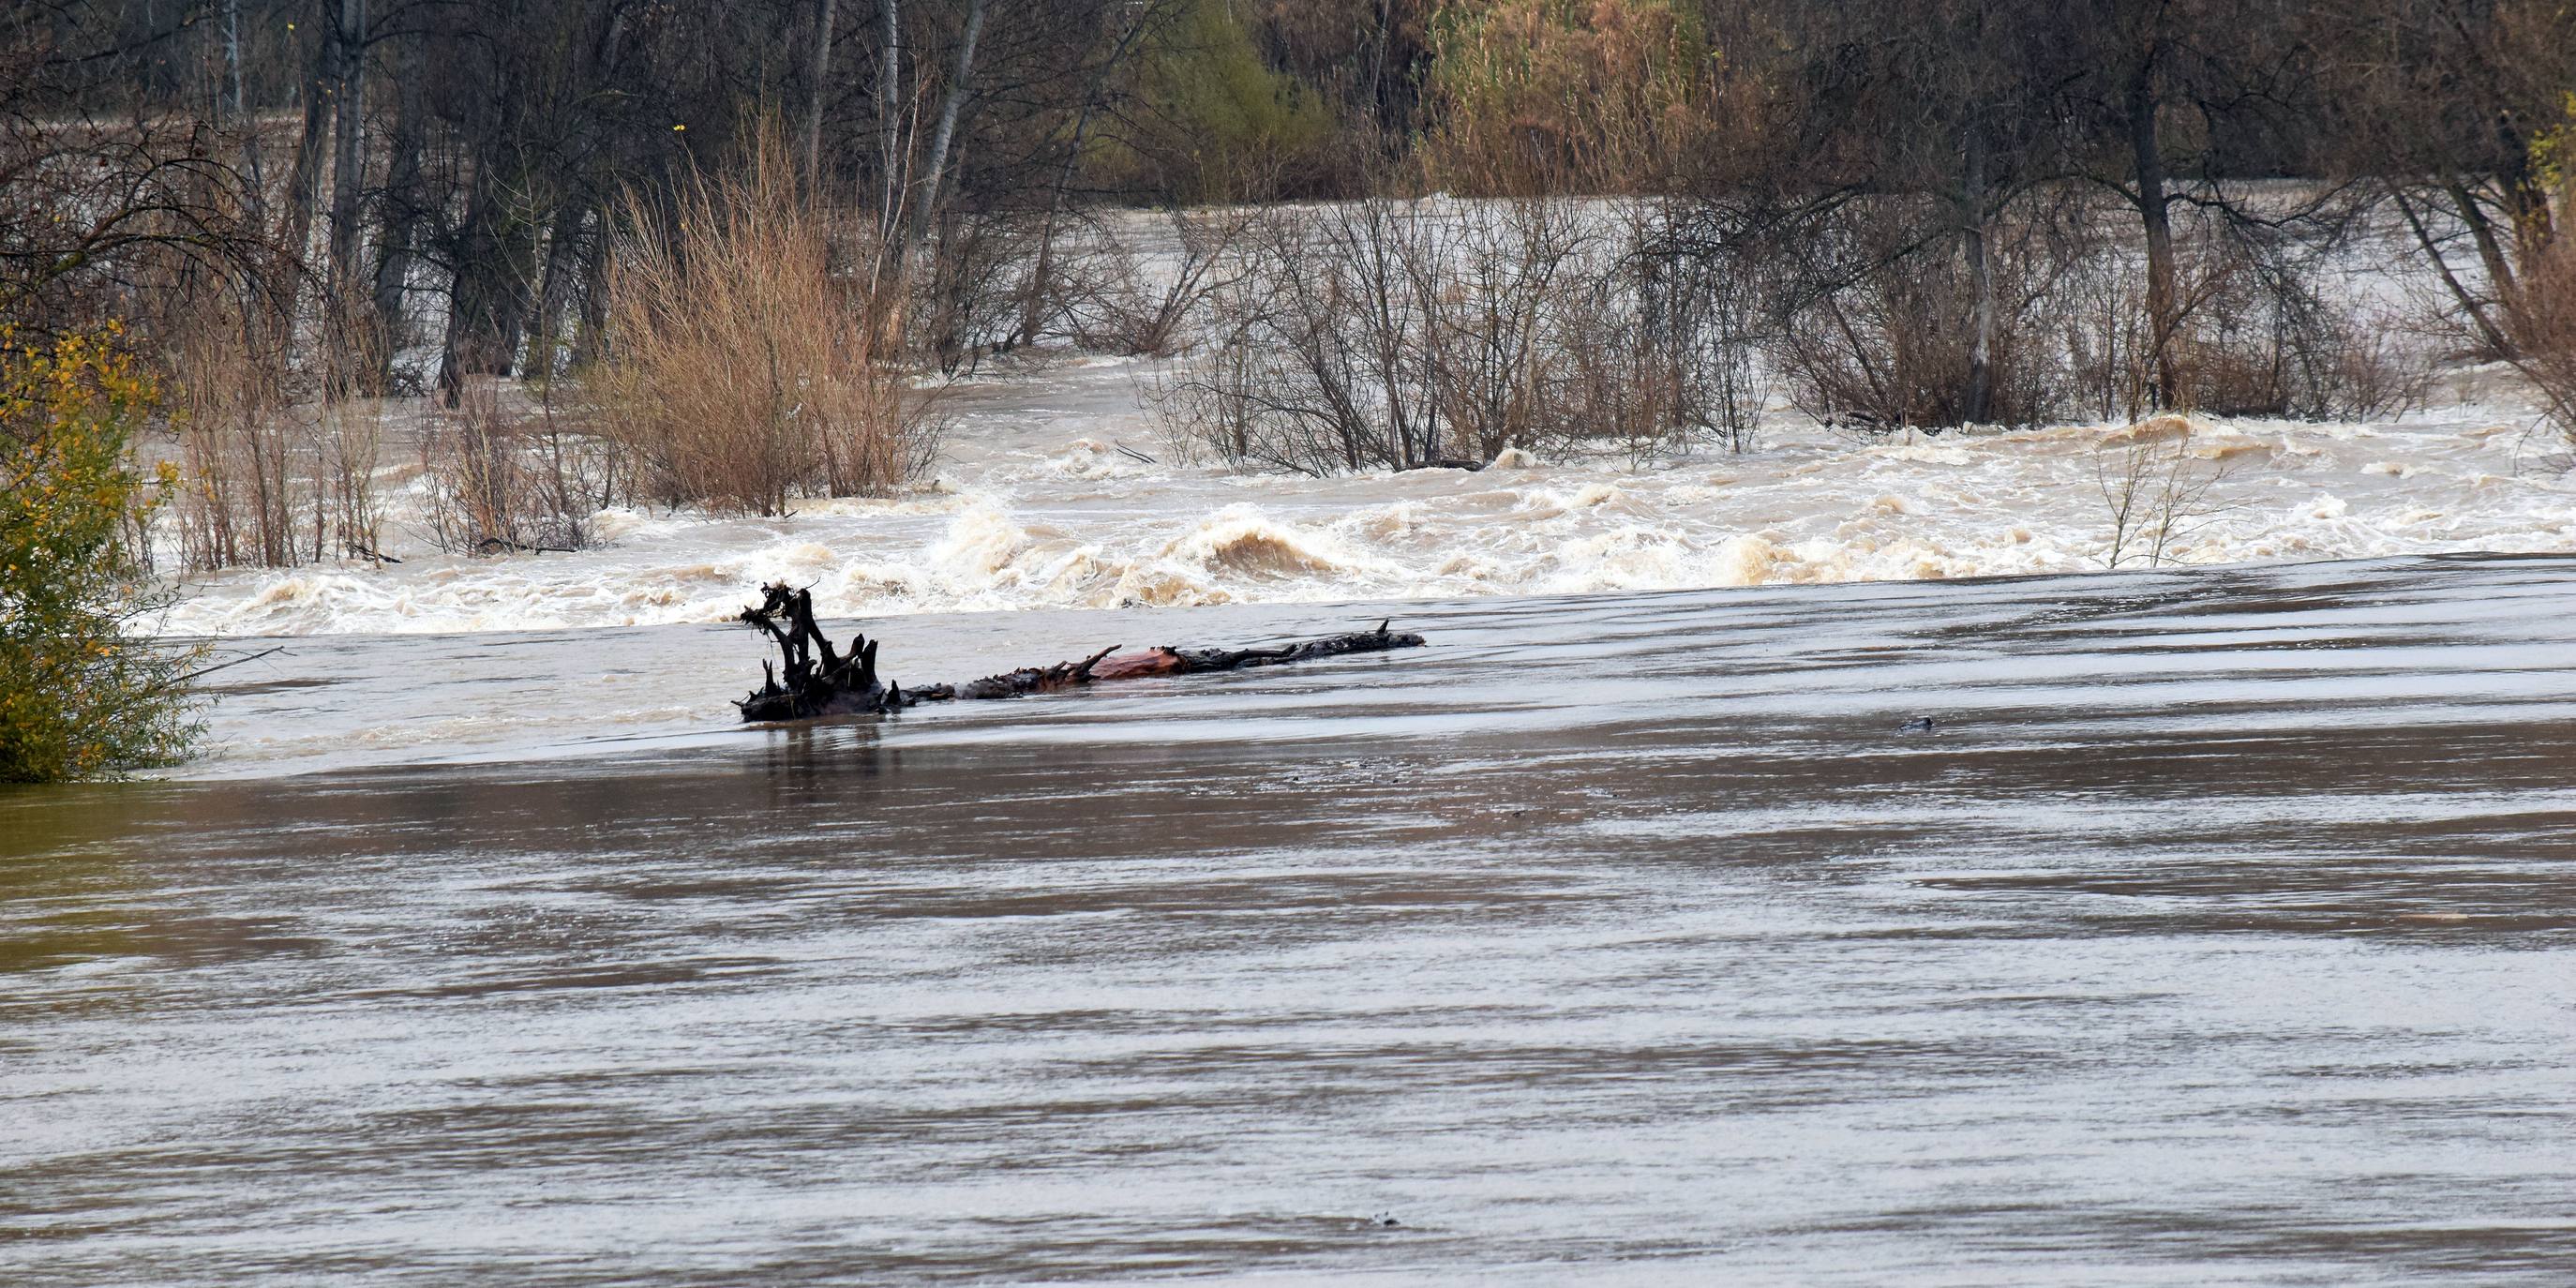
(2219, 929)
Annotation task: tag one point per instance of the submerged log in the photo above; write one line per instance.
(811, 679)
(817, 681)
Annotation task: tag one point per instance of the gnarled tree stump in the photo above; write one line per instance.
(812, 679)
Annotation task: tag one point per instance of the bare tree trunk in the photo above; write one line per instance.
(2156, 215)
(254, 174)
(304, 191)
(1033, 299)
(2526, 196)
(304, 179)
(348, 178)
(1032, 307)
(1981, 282)
(232, 60)
(586, 343)
(564, 263)
(2482, 232)
(889, 134)
(814, 92)
(348, 163)
(935, 167)
(2488, 333)
(487, 302)
(401, 210)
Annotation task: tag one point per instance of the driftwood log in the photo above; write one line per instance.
(811, 678)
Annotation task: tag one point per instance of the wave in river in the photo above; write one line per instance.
(1034, 509)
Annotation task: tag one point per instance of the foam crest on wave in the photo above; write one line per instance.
(1082, 525)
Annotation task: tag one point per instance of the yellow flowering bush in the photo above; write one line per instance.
(82, 693)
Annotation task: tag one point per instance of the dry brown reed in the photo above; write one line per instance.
(1537, 96)
(2539, 319)
(271, 472)
(743, 367)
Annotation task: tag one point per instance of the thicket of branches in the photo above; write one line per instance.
(1394, 334)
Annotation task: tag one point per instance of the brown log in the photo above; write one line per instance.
(811, 679)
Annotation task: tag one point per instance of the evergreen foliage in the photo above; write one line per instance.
(1217, 124)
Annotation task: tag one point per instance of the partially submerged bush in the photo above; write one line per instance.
(1390, 334)
(83, 693)
(2260, 340)
(501, 480)
(1109, 297)
(2539, 319)
(1881, 330)
(744, 365)
(271, 472)
(1882, 319)
(2157, 493)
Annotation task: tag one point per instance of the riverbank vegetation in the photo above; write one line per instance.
(713, 255)
(84, 690)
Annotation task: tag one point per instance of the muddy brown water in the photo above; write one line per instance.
(2221, 929)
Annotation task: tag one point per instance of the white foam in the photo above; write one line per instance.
(1035, 507)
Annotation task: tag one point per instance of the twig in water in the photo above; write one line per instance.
(210, 670)
(489, 545)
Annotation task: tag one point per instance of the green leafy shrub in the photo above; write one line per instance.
(83, 694)
(1215, 123)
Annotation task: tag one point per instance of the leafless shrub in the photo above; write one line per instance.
(1391, 334)
(743, 369)
(2108, 338)
(2539, 321)
(2262, 340)
(967, 297)
(1492, 281)
(499, 479)
(2256, 335)
(1881, 333)
(2155, 492)
(241, 482)
(1110, 297)
(1704, 316)
(348, 445)
(1317, 368)
(271, 471)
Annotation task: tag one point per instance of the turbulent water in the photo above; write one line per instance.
(1037, 506)
(2219, 929)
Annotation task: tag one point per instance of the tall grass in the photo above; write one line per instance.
(274, 471)
(743, 364)
(1561, 96)
(2539, 319)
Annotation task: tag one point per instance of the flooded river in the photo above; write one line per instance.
(2221, 928)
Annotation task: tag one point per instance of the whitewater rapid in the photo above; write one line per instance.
(1036, 505)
